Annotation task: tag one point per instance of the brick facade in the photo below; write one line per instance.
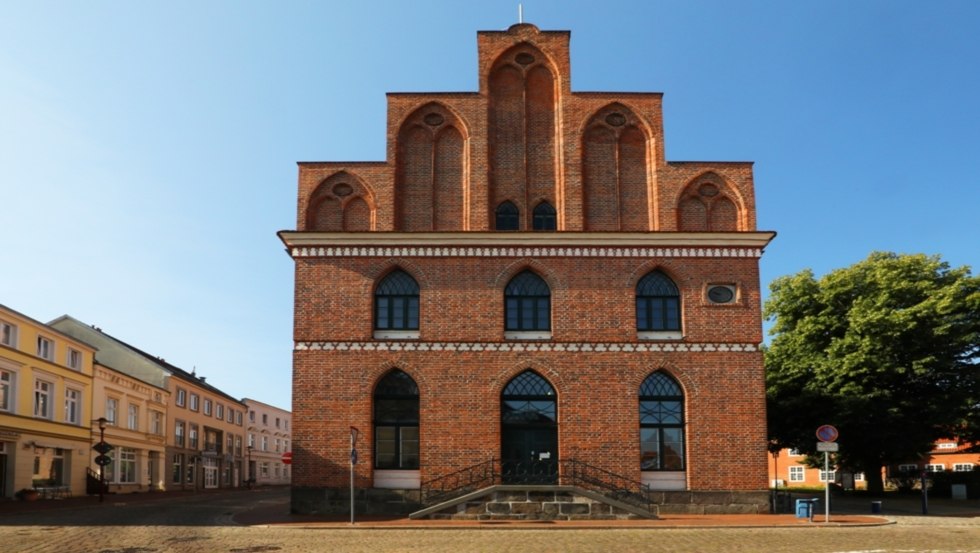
(621, 212)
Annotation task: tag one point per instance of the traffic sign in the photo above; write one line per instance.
(103, 460)
(102, 447)
(287, 458)
(832, 447)
(827, 433)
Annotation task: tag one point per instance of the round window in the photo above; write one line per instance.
(721, 294)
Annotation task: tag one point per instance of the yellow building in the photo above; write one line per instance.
(45, 407)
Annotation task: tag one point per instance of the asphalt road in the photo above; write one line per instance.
(206, 523)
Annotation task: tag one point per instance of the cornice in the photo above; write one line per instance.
(525, 244)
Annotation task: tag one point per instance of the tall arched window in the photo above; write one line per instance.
(661, 423)
(529, 430)
(544, 217)
(396, 422)
(527, 303)
(658, 303)
(396, 302)
(508, 217)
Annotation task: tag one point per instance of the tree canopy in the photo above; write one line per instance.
(887, 350)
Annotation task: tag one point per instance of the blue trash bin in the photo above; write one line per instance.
(876, 507)
(804, 508)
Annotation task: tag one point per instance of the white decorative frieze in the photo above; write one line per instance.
(524, 252)
(562, 347)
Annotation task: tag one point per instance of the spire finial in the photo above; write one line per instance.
(520, 13)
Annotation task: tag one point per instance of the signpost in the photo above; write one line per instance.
(828, 442)
(353, 461)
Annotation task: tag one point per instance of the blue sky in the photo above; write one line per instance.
(147, 150)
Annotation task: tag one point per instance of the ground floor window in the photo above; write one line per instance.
(797, 474)
(936, 467)
(661, 423)
(178, 468)
(962, 467)
(396, 422)
(827, 476)
(122, 469)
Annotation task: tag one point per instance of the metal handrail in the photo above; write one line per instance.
(459, 482)
(573, 472)
(609, 484)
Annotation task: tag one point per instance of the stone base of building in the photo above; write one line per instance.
(711, 502)
(533, 504)
(522, 505)
(369, 501)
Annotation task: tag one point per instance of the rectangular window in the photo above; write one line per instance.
(127, 466)
(251, 416)
(238, 418)
(265, 419)
(156, 423)
(193, 437)
(238, 446)
(251, 440)
(285, 424)
(189, 469)
(277, 422)
(231, 415)
(74, 359)
(265, 443)
(45, 348)
(181, 397)
(794, 452)
(962, 467)
(73, 402)
(179, 433)
(134, 417)
(828, 476)
(264, 469)
(797, 474)
(908, 468)
(112, 410)
(946, 445)
(859, 477)
(278, 444)
(7, 394)
(936, 467)
(42, 399)
(231, 444)
(194, 402)
(178, 468)
(8, 334)
(207, 407)
(219, 411)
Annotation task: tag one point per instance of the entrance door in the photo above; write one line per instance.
(210, 472)
(529, 431)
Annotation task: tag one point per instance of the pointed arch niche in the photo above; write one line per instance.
(614, 171)
(522, 137)
(430, 188)
(708, 204)
(340, 203)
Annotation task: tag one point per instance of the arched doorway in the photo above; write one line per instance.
(529, 431)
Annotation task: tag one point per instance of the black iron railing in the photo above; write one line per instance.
(609, 484)
(569, 472)
(460, 482)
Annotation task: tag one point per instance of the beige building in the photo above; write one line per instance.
(268, 439)
(45, 408)
(130, 394)
(207, 443)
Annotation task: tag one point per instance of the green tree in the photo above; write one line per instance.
(887, 350)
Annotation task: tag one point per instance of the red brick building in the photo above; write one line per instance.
(523, 293)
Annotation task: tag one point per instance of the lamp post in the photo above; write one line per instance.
(102, 423)
(248, 466)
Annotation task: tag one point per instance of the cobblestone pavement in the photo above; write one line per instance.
(206, 523)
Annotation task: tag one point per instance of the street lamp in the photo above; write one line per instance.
(102, 423)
